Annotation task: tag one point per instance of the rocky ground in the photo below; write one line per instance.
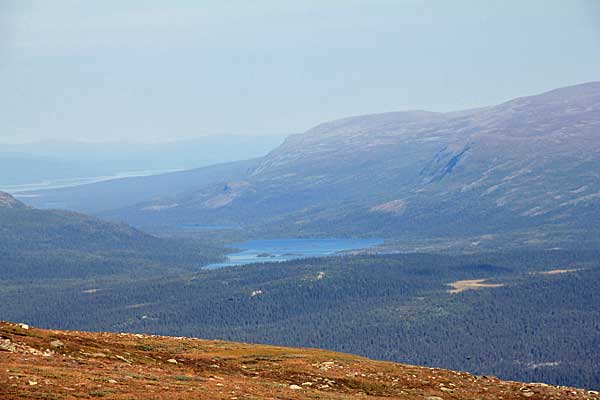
(46, 364)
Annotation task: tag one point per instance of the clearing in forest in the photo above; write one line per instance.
(473, 284)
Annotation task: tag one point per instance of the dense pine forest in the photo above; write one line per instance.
(53, 244)
(538, 321)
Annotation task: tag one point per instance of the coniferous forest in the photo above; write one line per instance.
(539, 322)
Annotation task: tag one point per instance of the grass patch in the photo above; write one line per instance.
(183, 378)
(144, 347)
(147, 377)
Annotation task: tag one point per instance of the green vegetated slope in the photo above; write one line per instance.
(52, 244)
(535, 326)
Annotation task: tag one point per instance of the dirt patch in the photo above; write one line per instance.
(473, 284)
(557, 271)
(90, 291)
(397, 207)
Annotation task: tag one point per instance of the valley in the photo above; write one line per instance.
(464, 240)
(527, 167)
(276, 200)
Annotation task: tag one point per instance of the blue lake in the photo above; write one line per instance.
(201, 228)
(273, 250)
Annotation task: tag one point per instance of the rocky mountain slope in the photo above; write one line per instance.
(43, 364)
(528, 165)
(7, 201)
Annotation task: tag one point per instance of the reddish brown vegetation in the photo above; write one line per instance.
(45, 364)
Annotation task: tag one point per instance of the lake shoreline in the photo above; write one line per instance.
(280, 250)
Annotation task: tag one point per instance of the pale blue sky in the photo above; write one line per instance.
(148, 70)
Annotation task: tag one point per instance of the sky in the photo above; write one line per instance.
(163, 70)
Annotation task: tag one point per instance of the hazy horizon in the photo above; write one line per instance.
(138, 140)
(111, 71)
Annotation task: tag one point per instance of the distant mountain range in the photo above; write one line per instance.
(519, 166)
(56, 163)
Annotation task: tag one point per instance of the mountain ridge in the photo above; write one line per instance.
(522, 159)
(521, 165)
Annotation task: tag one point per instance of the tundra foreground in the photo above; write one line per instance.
(48, 364)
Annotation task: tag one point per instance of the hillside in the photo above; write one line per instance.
(53, 244)
(44, 364)
(521, 165)
(527, 166)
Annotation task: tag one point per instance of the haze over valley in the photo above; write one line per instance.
(32, 166)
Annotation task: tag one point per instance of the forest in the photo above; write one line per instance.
(37, 245)
(539, 323)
